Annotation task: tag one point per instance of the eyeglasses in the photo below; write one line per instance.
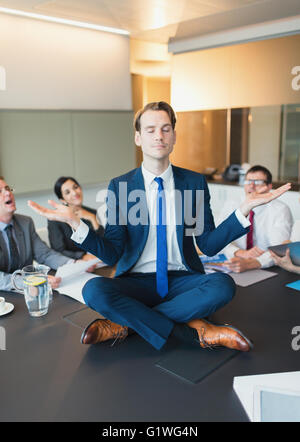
(6, 189)
(256, 182)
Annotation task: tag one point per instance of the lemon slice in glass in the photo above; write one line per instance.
(35, 280)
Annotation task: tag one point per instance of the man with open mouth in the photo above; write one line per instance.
(19, 242)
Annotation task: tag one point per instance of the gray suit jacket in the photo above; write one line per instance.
(31, 247)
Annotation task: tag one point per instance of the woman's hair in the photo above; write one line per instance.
(60, 182)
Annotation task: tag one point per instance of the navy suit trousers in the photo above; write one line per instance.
(131, 300)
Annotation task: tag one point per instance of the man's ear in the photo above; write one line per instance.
(137, 138)
(175, 135)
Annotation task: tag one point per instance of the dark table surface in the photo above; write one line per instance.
(48, 375)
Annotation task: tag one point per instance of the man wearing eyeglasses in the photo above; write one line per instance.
(19, 242)
(270, 224)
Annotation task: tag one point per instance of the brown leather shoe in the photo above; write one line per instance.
(102, 330)
(211, 335)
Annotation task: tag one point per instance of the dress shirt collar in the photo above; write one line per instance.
(167, 175)
(4, 225)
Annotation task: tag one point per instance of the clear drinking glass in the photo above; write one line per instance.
(35, 288)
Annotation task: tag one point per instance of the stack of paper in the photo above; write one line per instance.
(74, 276)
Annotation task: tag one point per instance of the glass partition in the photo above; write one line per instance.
(211, 140)
(290, 143)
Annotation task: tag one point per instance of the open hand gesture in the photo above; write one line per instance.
(60, 212)
(262, 196)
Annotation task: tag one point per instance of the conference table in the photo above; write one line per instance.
(48, 375)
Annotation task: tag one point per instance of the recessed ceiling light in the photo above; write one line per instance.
(64, 21)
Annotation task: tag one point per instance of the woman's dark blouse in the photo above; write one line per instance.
(60, 237)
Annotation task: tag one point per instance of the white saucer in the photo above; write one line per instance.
(8, 308)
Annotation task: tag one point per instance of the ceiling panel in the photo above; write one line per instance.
(152, 20)
(92, 11)
(133, 15)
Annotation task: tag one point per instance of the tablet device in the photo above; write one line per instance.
(294, 247)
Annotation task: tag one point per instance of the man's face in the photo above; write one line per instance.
(157, 136)
(257, 183)
(7, 200)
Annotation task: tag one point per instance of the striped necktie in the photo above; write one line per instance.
(161, 241)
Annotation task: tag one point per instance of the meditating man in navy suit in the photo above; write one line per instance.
(154, 214)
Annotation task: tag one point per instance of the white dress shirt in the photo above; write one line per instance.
(295, 236)
(272, 225)
(147, 260)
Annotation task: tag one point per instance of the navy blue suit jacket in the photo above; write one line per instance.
(124, 243)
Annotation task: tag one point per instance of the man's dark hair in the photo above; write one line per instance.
(156, 106)
(60, 182)
(263, 169)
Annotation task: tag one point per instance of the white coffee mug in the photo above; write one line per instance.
(2, 305)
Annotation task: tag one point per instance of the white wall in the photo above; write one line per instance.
(53, 66)
(243, 75)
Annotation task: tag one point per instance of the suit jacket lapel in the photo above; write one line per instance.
(3, 251)
(180, 185)
(137, 183)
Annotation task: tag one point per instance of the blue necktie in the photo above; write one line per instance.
(161, 241)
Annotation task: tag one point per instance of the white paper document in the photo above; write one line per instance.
(73, 286)
(69, 270)
(74, 276)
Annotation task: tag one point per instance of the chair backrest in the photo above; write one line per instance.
(43, 234)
